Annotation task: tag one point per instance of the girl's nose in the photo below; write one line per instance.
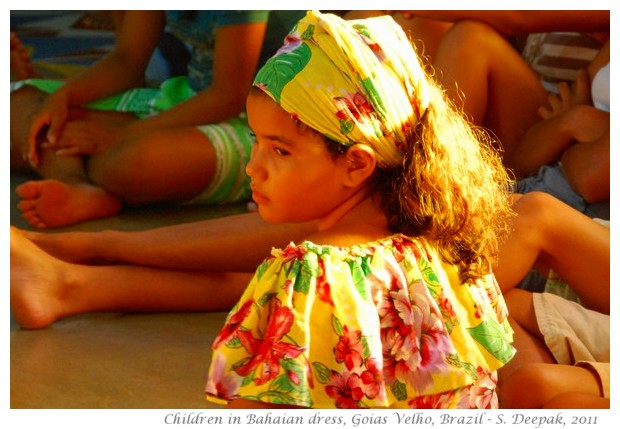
(253, 166)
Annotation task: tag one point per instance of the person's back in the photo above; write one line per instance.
(388, 304)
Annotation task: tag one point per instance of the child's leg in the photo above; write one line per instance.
(172, 165)
(537, 385)
(67, 197)
(577, 400)
(528, 340)
(587, 167)
(45, 289)
(550, 232)
(231, 243)
(485, 75)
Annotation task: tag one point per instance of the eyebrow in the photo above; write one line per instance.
(279, 138)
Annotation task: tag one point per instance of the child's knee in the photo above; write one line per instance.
(526, 387)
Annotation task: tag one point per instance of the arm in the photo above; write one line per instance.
(236, 53)
(538, 239)
(568, 118)
(513, 22)
(587, 168)
(547, 140)
(237, 50)
(122, 68)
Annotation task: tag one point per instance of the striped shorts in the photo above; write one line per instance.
(232, 139)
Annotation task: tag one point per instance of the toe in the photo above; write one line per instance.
(28, 190)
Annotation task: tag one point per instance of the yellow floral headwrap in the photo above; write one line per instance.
(356, 81)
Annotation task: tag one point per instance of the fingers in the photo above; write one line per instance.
(564, 92)
(78, 138)
(36, 137)
(55, 127)
(581, 88)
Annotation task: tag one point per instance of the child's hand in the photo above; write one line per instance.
(81, 137)
(46, 125)
(568, 96)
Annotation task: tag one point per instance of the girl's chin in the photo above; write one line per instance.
(270, 216)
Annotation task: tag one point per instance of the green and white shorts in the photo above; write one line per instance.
(232, 139)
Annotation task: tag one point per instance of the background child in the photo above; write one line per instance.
(391, 302)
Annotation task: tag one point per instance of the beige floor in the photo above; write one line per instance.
(116, 360)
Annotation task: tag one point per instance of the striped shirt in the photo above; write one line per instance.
(557, 57)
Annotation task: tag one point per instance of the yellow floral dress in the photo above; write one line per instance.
(383, 324)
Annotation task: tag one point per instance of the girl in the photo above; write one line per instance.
(391, 303)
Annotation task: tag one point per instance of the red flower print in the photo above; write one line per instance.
(436, 401)
(483, 393)
(354, 107)
(221, 383)
(446, 304)
(232, 324)
(323, 288)
(291, 253)
(413, 336)
(346, 389)
(372, 379)
(349, 348)
(293, 377)
(267, 353)
(290, 44)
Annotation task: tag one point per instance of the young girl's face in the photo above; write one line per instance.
(293, 176)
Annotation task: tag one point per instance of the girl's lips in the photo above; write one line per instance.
(258, 197)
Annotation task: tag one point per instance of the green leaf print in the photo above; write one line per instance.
(428, 275)
(454, 361)
(308, 33)
(293, 365)
(399, 390)
(265, 298)
(282, 69)
(373, 96)
(359, 272)
(322, 372)
(282, 384)
(261, 270)
(234, 343)
(492, 337)
(346, 126)
(362, 29)
(365, 347)
(306, 273)
(337, 326)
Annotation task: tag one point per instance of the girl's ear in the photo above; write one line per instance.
(360, 163)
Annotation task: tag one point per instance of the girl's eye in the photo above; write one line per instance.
(280, 151)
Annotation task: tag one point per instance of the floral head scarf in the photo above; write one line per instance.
(356, 81)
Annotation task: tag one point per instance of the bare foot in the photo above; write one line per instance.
(51, 203)
(21, 67)
(36, 284)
